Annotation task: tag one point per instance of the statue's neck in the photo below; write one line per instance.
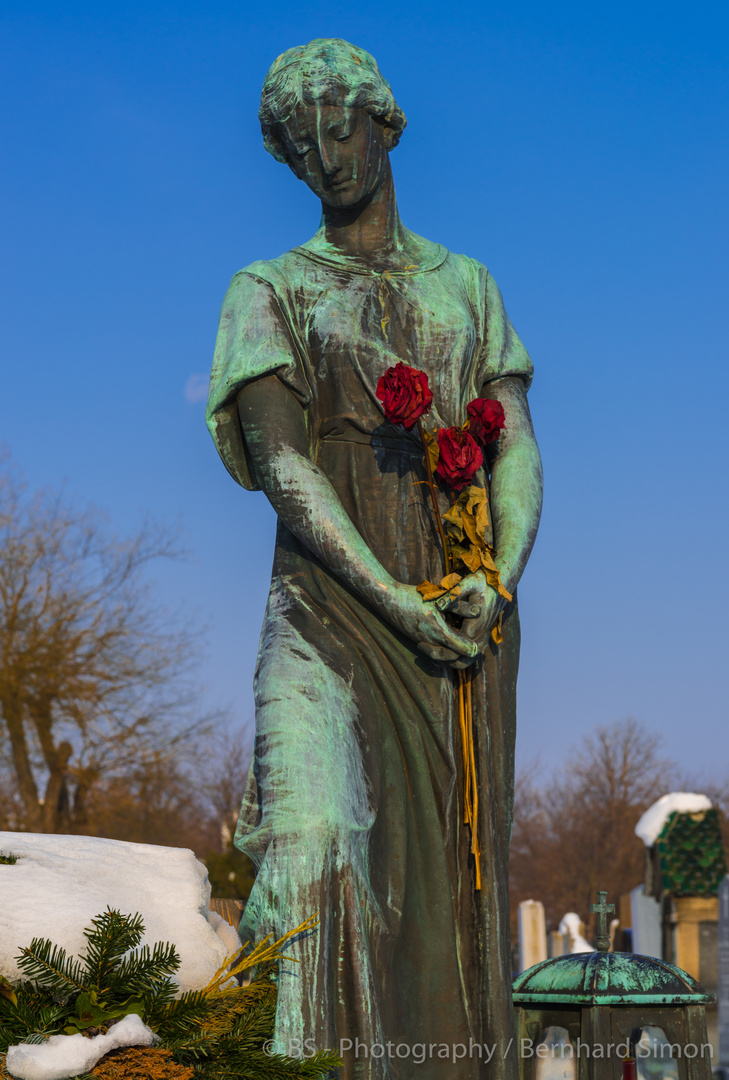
(372, 232)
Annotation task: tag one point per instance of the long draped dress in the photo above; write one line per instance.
(354, 804)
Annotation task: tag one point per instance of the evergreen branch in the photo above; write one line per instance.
(144, 969)
(34, 1014)
(50, 967)
(109, 937)
(241, 999)
(173, 1020)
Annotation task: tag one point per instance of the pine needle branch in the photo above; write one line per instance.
(109, 937)
(49, 966)
(144, 969)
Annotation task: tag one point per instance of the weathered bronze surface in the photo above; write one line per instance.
(603, 1001)
(354, 803)
(602, 909)
(604, 978)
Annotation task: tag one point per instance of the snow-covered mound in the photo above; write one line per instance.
(651, 823)
(68, 1055)
(59, 883)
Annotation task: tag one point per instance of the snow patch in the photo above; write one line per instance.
(227, 933)
(651, 823)
(60, 883)
(68, 1055)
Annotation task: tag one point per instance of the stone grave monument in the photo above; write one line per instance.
(532, 934)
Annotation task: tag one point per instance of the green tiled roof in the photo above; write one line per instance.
(691, 855)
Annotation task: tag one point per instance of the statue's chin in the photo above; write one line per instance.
(348, 197)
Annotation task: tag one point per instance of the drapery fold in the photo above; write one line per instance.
(353, 806)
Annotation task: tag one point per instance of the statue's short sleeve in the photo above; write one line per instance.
(254, 339)
(503, 353)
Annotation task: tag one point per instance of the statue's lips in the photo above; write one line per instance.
(337, 184)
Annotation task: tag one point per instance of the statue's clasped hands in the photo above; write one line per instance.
(478, 606)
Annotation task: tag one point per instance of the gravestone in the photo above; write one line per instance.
(723, 989)
(532, 934)
(645, 917)
(558, 944)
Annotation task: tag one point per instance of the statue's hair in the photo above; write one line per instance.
(306, 74)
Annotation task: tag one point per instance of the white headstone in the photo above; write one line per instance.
(557, 944)
(723, 991)
(532, 934)
(645, 917)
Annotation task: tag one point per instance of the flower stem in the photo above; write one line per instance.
(434, 497)
(464, 680)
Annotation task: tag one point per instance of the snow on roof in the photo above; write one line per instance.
(651, 824)
(59, 883)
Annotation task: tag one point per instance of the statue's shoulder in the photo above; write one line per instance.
(467, 266)
(273, 271)
(265, 283)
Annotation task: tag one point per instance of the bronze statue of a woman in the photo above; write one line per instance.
(354, 807)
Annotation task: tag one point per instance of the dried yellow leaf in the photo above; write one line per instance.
(496, 636)
(452, 522)
(450, 582)
(478, 505)
(492, 574)
(470, 529)
(429, 591)
(471, 559)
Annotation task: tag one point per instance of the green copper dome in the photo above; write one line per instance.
(605, 978)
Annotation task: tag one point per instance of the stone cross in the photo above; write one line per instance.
(602, 910)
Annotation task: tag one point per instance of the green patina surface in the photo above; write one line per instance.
(353, 809)
(691, 854)
(608, 979)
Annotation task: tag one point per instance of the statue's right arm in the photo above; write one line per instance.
(274, 428)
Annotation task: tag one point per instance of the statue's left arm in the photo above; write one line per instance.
(516, 503)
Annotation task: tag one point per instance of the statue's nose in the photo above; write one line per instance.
(329, 160)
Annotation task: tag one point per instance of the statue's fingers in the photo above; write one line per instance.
(473, 630)
(438, 652)
(442, 655)
(465, 610)
(463, 662)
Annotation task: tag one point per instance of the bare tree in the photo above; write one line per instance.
(575, 834)
(223, 780)
(94, 679)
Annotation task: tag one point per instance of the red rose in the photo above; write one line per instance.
(460, 457)
(405, 395)
(486, 419)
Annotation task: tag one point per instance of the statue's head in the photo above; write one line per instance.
(327, 112)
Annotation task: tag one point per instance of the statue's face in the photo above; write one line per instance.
(339, 152)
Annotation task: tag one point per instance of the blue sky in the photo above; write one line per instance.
(580, 151)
